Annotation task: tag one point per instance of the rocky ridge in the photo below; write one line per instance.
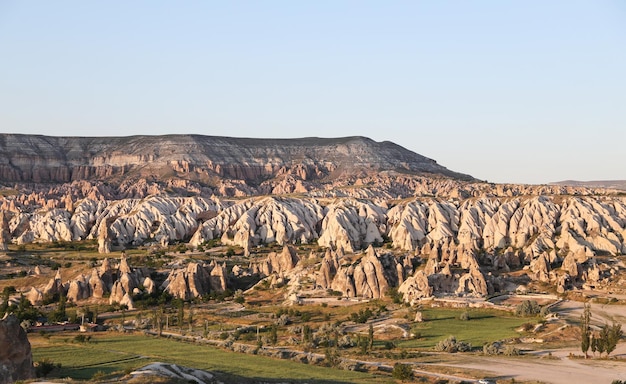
(46, 159)
(458, 239)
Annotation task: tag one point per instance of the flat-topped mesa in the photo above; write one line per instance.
(45, 159)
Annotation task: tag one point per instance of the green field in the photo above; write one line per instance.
(484, 326)
(118, 353)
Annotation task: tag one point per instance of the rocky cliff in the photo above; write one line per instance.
(45, 159)
(341, 194)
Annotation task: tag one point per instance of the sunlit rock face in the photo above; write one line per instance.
(446, 233)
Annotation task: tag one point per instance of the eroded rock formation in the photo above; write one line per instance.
(16, 360)
(196, 280)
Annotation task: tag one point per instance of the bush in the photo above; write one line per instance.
(491, 348)
(395, 296)
(402, 372)
(44, 367)
(527, 308)
(362, 316)
(82, 338)
(510, 350)
(451, 345)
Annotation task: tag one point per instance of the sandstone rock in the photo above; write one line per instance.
(54, 286)
(540, 268)
(266, 220)
(473, 283)
(16, 360)
(97, 286)
(127, 300)
(124, 267)
(352, 225)
(79, 289)
(176, 284)
(104, 239)
(371, 277)
(149, 285)
(117, 293)
(34, 296)
(196, 280)
(562, 283)
(279, 263)
(5, 235)
(218, 278)
(328, 270)
(570, 266)
(416, 287)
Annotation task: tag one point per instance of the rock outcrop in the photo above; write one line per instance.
(5, 234)
(263, 221)
(41, 159)
(278, 263)
(196, 280)
(16, 360)
(371, 277)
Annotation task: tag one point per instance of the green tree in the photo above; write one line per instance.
(585, 331)
(370, 335)
(190, 319)
(614, 334)
(402, 372)
(528, 308)
(331, 356)
(602, 337)
(43, 368)
(181, 312)
(157, 320)
(273, 334)
(307, 334)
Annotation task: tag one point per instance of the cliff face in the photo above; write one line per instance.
(37, 159)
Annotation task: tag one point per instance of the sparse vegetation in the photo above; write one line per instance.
(528, 308)
(452, 345)
(402, 372)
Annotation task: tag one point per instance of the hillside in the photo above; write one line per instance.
(204, 159)
(612, 184)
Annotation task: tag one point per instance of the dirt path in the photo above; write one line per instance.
(556, 371)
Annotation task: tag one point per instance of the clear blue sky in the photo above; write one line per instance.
(508, 91)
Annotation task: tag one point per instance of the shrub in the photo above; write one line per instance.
(362, 316)
(451, 345)
(491, 348)
(510, 350)
(80, 338)
(395, 296)
(402, 372)
(527, 308)
(43, 367)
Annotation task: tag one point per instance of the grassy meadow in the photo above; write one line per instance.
(483, 326)
(117, 354)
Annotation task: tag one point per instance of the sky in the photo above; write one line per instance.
(506, 91)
